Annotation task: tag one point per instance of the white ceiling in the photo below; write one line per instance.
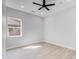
(27, 6)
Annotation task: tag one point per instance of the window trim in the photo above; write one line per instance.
(14, 27)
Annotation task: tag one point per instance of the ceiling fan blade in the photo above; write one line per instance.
(40, 8)
(37, 4)
(47, 8)
(44, 1)
(50, 4)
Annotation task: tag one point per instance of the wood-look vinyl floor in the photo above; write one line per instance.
(41, 51)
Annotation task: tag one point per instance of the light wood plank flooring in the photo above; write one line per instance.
(41, 51)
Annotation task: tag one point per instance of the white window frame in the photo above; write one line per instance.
(14, 27)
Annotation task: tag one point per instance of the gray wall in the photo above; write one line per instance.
(60, 28)
(57, 29)
(32, 29)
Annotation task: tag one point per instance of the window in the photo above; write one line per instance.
(14, 27)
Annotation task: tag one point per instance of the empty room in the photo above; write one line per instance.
(40, 29)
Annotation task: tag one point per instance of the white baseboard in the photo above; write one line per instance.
(10, 48)
(60, 45)
(43, 41)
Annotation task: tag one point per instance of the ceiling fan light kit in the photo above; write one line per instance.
(44, 5)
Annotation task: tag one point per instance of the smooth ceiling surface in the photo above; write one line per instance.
(27, 6)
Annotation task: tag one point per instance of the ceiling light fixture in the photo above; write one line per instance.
(41, 13)
(22, 6)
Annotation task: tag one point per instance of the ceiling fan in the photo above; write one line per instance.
(44, 5)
